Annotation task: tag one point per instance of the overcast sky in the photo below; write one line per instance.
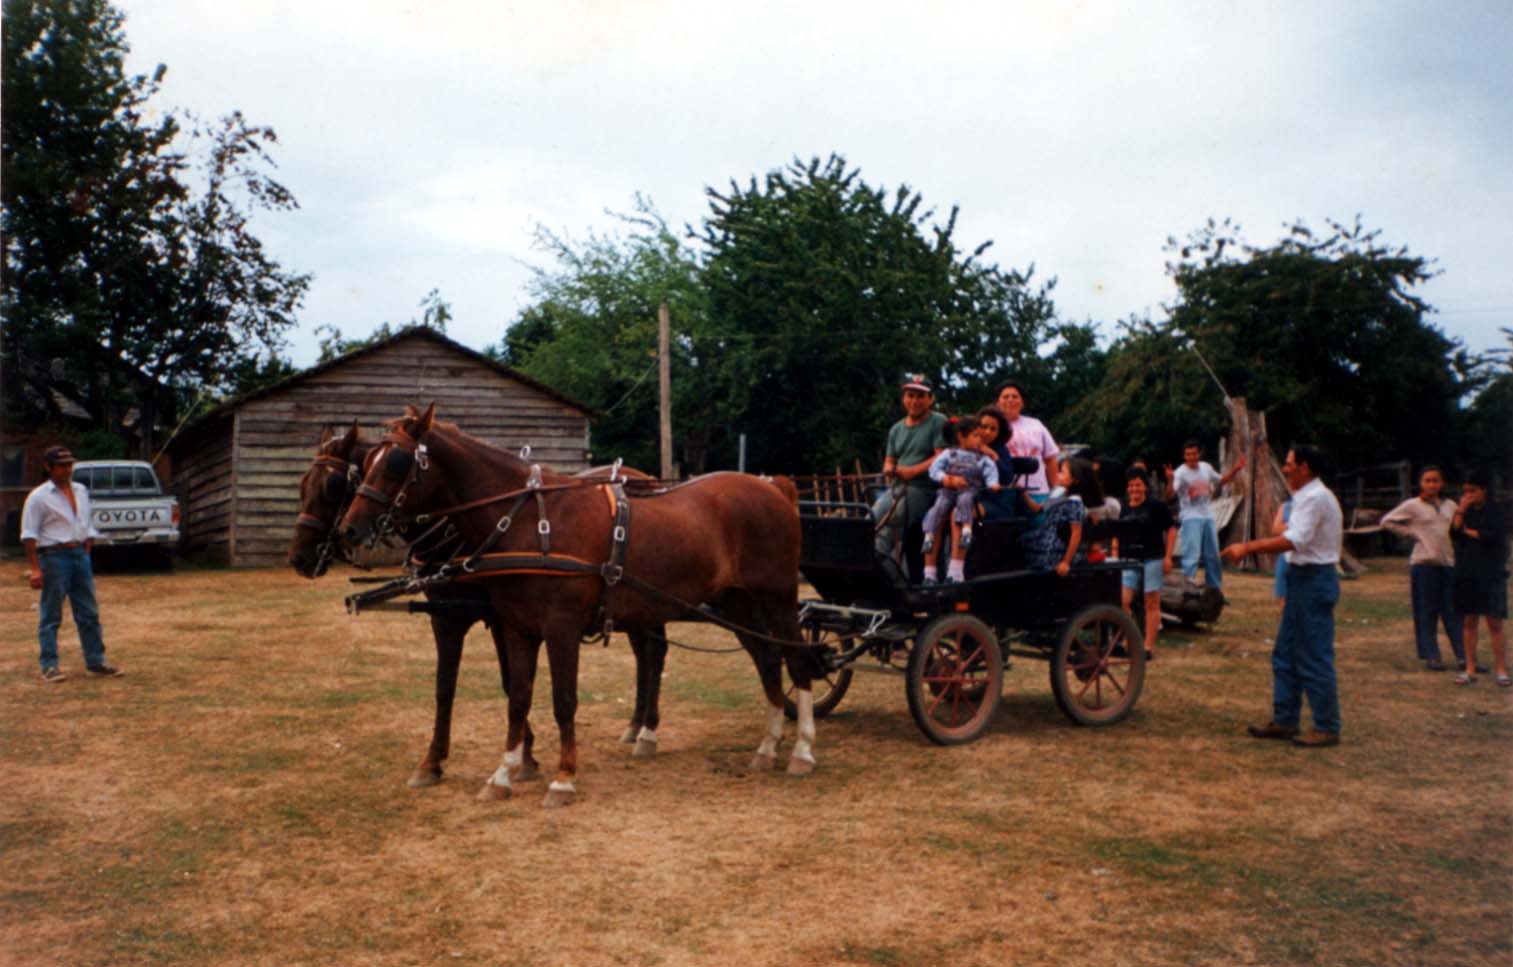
(424, 140)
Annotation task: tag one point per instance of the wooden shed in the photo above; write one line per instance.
(237, 469)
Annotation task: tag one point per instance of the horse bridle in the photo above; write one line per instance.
(345, 478)
(404, 457)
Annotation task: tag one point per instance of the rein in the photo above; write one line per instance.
(481, 562)
(330, 546)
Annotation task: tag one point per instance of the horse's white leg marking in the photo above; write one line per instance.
(562, 785)
(646, 743)
(498, 785)
(804, 747)
(774, 735)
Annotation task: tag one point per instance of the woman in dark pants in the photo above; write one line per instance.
(1425, 520)
(1481, 574)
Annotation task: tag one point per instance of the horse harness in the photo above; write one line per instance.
(407, 458)
(337, 488)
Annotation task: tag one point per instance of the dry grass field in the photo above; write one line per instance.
(239, 798)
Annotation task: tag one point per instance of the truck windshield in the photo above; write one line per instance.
(118, 481)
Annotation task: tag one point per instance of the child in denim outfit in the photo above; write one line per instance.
(962, 471)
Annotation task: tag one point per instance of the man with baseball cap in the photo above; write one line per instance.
(913, 442)
(58, 534)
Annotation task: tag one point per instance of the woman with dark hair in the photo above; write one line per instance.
(1425, 520)
(1152, 547)
(1481, 573)
(1029, 437)
(1045, 547)
(1003, 503)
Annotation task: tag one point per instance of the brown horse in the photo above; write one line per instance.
(728, 540)
(325, 491)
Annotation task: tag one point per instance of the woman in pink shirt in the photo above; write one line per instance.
(1030, 438)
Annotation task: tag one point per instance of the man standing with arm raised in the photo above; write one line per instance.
(1196, 482)
(58, 536)
(1302, 661)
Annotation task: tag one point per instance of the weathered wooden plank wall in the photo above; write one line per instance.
(277, 434)
(202, 481)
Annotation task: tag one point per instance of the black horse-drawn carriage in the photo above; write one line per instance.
(953, 641)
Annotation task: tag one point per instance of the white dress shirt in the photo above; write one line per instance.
(48, 519)
(1316, 526)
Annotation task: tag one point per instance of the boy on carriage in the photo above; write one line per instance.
(963, 471)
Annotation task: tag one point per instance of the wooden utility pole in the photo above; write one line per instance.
(664, 381)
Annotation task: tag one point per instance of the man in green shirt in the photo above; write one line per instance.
(913, 442)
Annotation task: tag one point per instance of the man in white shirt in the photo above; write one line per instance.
(1196, 483)
(58, 535)
(1302, 661)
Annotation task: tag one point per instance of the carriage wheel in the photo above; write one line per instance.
(1098, 666)
(955, 679)
(829, 690)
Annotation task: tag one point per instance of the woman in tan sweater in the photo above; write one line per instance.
(1425, 520)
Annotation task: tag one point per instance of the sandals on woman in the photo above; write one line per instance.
(1504, 681)
(1464, 679)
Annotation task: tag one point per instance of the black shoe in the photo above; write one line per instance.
(1272, 730)
(54, 675)
(1434, 665)
(103, 670)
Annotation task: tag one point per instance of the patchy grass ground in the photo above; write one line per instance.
(239, 798)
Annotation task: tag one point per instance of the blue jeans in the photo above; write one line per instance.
(1433, 588)
(67, 573)
(1302, 662)
(1200, 540)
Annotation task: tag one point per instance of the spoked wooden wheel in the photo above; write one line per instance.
(1098, 666)
(955, 679)
(828, 691)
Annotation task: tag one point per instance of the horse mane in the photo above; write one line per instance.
(493, 457)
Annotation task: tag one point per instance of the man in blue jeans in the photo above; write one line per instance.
(1195, 484)
(58, 535)
(1302, 661)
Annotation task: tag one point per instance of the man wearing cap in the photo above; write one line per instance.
(58, 535)
(913, 442)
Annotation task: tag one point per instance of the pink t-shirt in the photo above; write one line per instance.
(1032, 439)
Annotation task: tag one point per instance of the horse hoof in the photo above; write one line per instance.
(557, 798)
(423, 778)
(628, 737)
(526, 773)
(800, 767)
(493, 793)
(645, 749)
(763, 763)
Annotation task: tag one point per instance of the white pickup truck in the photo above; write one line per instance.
(129, 507)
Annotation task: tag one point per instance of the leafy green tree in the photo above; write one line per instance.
(1322, 331)
(436, 312)
(834, 289)
(147, 290)
(1487, 434)
(592, 333)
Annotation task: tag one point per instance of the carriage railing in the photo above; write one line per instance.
(840, 488)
